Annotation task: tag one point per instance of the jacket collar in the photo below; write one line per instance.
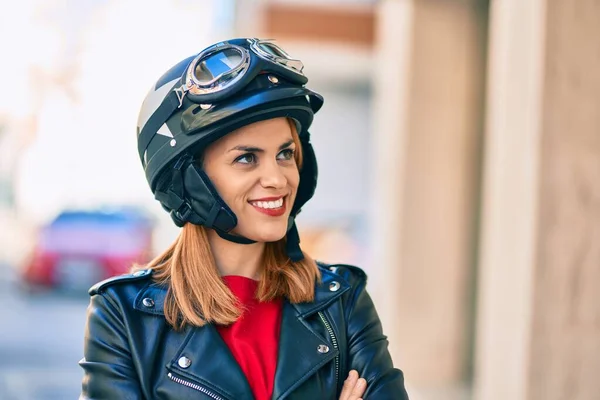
(327, 291)
(298, 357)
(151, 298)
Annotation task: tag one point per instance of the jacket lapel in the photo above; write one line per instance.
(211, 363)
(299, 356)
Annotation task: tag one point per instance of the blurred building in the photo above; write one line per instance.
(15, 235)
(464, 137)
(335, 41)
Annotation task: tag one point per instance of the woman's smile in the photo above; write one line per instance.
(272, 206)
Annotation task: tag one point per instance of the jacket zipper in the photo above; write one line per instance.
(194, 386)
(335, 346)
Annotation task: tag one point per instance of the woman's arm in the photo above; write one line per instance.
(107, 364)
(368, 347)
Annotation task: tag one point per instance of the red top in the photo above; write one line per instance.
(253, 339)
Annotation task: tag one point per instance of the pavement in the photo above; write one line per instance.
(41, 341)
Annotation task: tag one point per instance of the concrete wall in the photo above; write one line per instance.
(538, 306)
(429, 132)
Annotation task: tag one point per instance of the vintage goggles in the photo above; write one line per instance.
(224, 68)
(219, 72)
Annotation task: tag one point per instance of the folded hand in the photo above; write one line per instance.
(354, 387)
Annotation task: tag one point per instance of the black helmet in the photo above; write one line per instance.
(201, 99)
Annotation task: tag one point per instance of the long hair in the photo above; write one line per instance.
(196, 293)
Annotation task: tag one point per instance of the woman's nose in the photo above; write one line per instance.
(272, 176)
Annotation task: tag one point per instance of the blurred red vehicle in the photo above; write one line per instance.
(80, 248)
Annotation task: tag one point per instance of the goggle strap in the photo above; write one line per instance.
(158, 118)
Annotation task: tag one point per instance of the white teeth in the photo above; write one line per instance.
(268, 204)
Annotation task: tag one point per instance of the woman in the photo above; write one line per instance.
(234, 309)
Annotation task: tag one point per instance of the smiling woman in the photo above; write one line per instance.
(254, 169)
(258, 179)
(234, 309)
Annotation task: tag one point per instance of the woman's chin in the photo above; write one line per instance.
(266, 235)
(269, 237)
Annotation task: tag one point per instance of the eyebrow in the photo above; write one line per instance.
(251, 149)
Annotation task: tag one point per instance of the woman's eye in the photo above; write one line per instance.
(247, 158)
(286, 154)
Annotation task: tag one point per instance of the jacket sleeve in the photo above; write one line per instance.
(108, 368)
(368, 348)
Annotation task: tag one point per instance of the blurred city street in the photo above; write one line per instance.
(41, 339)
(458, 154)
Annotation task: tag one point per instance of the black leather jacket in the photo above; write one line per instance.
(132, 353)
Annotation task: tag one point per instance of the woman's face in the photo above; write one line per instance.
(254, 171)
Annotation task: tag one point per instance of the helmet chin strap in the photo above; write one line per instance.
(292, 245)
(234, 238)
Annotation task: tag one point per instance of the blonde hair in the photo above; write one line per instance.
(196, 293)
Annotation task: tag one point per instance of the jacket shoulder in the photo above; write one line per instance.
(350, 273)
(140, 275)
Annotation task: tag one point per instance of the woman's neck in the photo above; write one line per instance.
(236, 259)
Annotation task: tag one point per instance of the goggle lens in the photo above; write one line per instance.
(272, 50)
(217, 64)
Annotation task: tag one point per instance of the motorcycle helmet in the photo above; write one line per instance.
(202, 98)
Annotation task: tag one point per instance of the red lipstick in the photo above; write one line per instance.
(273, 212)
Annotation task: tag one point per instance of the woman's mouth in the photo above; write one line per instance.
(272, 206)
